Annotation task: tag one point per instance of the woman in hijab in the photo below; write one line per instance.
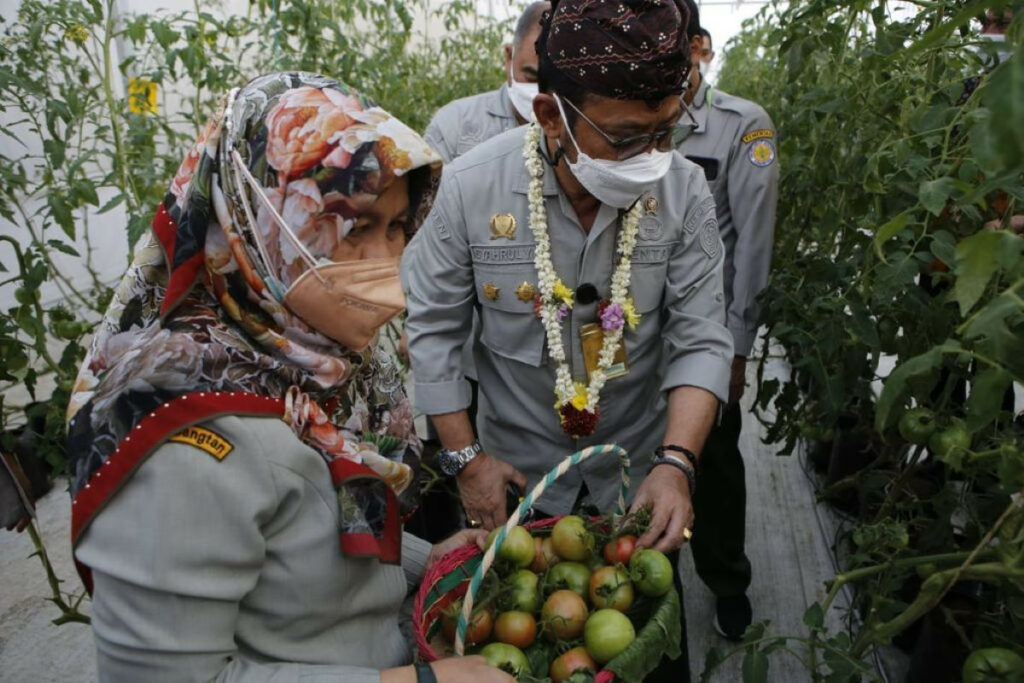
(242, 445)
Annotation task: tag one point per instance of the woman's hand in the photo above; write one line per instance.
(456, 540)
(473, 669)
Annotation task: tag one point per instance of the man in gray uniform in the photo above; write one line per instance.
(599, 166)
(734, 141)
(461, 125)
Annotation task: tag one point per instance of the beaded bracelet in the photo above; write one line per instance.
(679, 464)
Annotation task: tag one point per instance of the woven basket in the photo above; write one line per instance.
(459, 574)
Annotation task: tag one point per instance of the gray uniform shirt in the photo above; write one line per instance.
(459, 126)
(735, 143)
(457, 261)
(230, 570)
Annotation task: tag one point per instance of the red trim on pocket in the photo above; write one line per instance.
(387, 548)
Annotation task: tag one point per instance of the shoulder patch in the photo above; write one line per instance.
(758, 134)
(762, 153)
(442, 229)
(205, 440)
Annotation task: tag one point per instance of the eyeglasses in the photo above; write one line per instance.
(683, 129)
(626, 148)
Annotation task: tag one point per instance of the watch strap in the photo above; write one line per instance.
(682, 450)
(425, 673)
(681, 465)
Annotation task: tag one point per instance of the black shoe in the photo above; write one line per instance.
(732, 616)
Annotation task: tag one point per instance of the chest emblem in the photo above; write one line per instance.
(526, 292)
(503, 225)
(650, 205)
(491, 291)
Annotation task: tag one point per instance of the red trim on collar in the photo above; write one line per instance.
(151, 432)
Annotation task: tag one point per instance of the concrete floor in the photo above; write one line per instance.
(788, 537)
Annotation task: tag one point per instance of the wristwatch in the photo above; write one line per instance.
(452, 462)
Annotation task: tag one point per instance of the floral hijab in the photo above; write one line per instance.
(200, 308)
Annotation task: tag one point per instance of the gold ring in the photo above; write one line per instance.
(472, 523)
(687, 534)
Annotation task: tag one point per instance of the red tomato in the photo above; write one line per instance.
(610, 587)
(576, 659)
(619, 550)
(478, 630)
(516, 628)
(563, 615)
(544, 556)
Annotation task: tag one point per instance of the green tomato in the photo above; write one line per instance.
(508, 658)
(524, 596)
(571, 540)
(951, 444)
(568, 576)
(607, 633)
(651, 572)
(994, 664)
(917, 425)
(518, 547)
(26, 296)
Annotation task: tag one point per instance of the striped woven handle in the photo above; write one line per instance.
(527, 503)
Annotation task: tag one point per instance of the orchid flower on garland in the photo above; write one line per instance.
(576, 403)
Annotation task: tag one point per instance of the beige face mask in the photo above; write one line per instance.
(347, 301)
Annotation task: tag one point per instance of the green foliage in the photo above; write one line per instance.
(902, 164)
(104, 155)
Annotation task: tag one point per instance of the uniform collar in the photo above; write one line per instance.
(499, 103)
(698, 108)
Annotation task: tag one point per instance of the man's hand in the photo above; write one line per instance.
(469, 670)
(666, 492)
(737, 378)
(456, 540)
(482, 489)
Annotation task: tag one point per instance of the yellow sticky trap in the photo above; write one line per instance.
(206, 440)
(141, 96)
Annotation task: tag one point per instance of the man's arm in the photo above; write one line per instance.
(753, 191)
(698, 349)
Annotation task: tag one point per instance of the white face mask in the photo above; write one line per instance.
(616, 183)
(522, 95)
(703, 67)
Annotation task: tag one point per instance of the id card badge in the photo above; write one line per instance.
(592, 338)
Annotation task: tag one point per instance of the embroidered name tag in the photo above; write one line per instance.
(757, 135)
(521, 253)
(204, 439)
(653, 254)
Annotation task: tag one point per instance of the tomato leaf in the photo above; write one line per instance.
(896, 386)
(814, 617)
(978, 258)
(986, 398)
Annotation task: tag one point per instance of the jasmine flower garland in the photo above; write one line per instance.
(576, 403)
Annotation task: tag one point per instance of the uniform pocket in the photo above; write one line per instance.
(509, 326)
(648, 275)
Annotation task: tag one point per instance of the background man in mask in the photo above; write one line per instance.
(706, 53)
(734, 141)
(599, 165)
(461, 125)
